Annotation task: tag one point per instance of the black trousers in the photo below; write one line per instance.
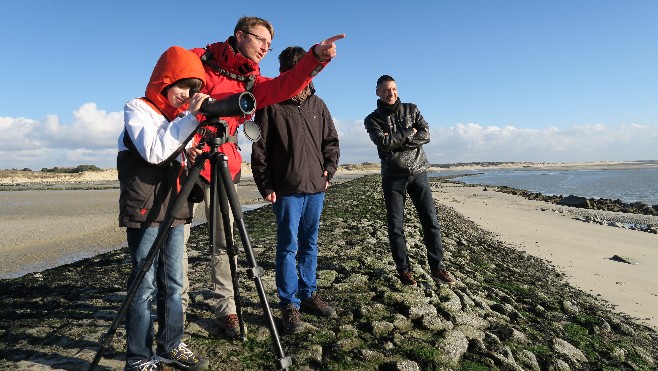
(395, 194)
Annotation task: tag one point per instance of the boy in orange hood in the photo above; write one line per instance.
(151, 166)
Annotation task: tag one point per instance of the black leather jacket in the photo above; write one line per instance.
(400, 150)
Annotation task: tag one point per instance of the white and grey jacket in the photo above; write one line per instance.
(150, 170)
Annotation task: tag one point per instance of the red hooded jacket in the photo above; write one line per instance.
(266, 90)
(175, 63)
(150, 182)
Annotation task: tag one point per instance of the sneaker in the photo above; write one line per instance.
(230, 324)
(316, 305)
(442, 276)
(142, 365)
(292, 320)
(407, 278)
(183, 358)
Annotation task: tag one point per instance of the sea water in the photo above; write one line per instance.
(628, 185)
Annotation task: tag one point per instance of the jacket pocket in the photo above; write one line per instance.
(139, 185)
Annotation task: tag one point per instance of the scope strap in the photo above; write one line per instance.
(248, 80)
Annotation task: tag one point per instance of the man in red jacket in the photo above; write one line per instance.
(232, 67)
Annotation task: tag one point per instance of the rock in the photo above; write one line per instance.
(646, 356)
(569, 307)
(528, 360)
(571, 352)
(559, 365)
(382, 328)
(623, 259)
(575, 201)
(454, 345)
(404, 365)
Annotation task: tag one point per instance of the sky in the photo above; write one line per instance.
(538, 81)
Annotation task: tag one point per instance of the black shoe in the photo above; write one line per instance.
(442, 276)
(142, 365)
(315, 305)
(183, 358)
(407, 278)
(292, 320)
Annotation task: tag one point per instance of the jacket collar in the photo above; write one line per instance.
(228, 57)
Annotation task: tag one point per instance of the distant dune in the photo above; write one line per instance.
(21, 177)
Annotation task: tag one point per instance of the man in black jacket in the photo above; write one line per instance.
(399, 131)
(292, 164)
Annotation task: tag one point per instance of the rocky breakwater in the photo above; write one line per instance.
(615, 213)
(508, 311)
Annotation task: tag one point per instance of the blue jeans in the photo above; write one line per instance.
(163, 282)
(297, 224)
(395, 194)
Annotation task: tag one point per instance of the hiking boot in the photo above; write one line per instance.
(183, 358)
(442, 276)
(142, 365)
(407, 278)
(230, 324)
(292, 320)
(315, 305)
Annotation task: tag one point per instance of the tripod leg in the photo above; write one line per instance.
(181, 200)
(232, 251)
(255, 271)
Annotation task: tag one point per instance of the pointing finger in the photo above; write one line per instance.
(334, 38)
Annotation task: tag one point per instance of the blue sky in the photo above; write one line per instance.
(542, 81)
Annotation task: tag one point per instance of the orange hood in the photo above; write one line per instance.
(174, 64)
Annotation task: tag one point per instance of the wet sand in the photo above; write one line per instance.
(45, 229)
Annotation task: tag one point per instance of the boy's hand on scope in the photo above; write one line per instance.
(195, 103)
(192, 152)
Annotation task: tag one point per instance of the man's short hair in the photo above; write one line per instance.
(384, 78)
(289, 57)
(245, 24)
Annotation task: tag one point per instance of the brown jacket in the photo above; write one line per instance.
(298, 143)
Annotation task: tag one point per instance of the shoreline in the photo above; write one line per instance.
(9, 178)
(37, 237)
(508, 310)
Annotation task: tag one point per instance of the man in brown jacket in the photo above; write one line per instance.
(292, 164)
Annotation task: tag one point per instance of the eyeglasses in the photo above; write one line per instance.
(261, 39)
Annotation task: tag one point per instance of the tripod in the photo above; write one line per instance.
(222, 195)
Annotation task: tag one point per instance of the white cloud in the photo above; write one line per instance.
(472, 142)
(91, 139)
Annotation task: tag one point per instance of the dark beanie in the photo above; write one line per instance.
(289, 57)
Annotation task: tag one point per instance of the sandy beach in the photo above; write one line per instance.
(42, 229)
(582, 251)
